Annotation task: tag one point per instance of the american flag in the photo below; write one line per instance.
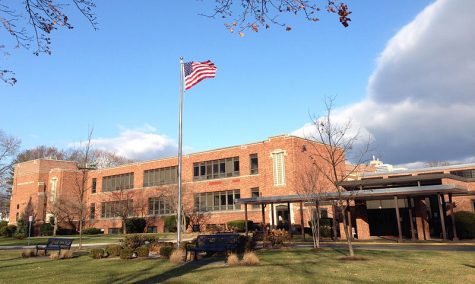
(197, 71)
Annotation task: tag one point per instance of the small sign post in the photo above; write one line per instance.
(30, 220)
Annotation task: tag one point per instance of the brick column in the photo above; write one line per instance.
(422, 222)
(362, 226)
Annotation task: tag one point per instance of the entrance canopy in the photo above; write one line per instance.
(365, 194)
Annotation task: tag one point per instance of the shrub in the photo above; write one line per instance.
(28, 253)
(135, 225)
(92, 231)
(3, 224)
(142, 251)
(97, 253)
(19, 235)
(54, 255)
(245, 244)
(240, 225)
(46, 229)
(113, 250)
(126, 253)
(278, 237)
(250, 258)
(170, 224)
(155, 248)
(8, 231)
(465, 224)
(166, 251)
(326, 231)
(66, 254)
(135, 241)
(63, 231)
(177, 256)
(233, 260)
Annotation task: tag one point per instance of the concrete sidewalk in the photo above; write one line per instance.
(468, 247)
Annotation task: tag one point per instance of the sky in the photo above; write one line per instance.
(402, 72)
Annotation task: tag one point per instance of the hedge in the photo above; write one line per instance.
(465, 224)
(135, 225)
(240, 225)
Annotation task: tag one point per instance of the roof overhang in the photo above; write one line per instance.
(365, 194)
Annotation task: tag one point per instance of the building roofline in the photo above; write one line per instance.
(45, 159)
(416, 170)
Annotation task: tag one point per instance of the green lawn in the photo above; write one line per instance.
(89, 239)
(277, 266)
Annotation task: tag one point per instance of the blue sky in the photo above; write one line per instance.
(123, 79)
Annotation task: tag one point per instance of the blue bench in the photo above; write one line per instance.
(213, 244)
(55, 244)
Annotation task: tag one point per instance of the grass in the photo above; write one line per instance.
(87, 239)
(276, 266)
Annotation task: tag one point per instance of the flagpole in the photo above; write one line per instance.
(180, 129)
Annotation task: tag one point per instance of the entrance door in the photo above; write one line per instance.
(282, 217)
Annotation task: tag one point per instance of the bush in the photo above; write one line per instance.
(170, 224)
(142, 251)
(135, 225)
(46, 229)
(92, 231)
(63, 232)
(8, 231)
(54, 255)
(135, 241)
(233, 260)
(465, 224)
(240, 225)
(19, 235)
(166, 251)
(177, 256)
(3, 224)
(66, 254)
(250, 258)
(127, 253)
(97, 253)
(113, 250)
(278, 237)
(28, 253)
(245, 244)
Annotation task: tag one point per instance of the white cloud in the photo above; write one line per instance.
(137, 144)
(421, 96)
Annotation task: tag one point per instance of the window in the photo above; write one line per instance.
(159, 206)
(216, 169)
(54, 183)
(118, 182)
(255, 193)
(18, 206)
(464, 173)
(152, 229)
(94, 185)
(113, 209)
(254, 164)
(92, 211)
(279, 168)
(160, 176)
(217, 201)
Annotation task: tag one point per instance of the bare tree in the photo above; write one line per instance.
(9, 146)
(62, 210)
(256, 14)
(312, 190)
(80, 186)
(337, 143)
(121, 204)
(32, 22)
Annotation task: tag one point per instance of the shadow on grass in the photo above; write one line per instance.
(180, 270)
(469, 265)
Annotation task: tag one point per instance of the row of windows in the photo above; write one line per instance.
(464, 173)
(209, 201)
(216, 169)
(160, 176)
(217, 201)
(112, 209)
(118, 182)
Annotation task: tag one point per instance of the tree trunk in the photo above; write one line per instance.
(347, 233)
(55, 228)
(124, 229)
(80, 231)
(318, 225)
